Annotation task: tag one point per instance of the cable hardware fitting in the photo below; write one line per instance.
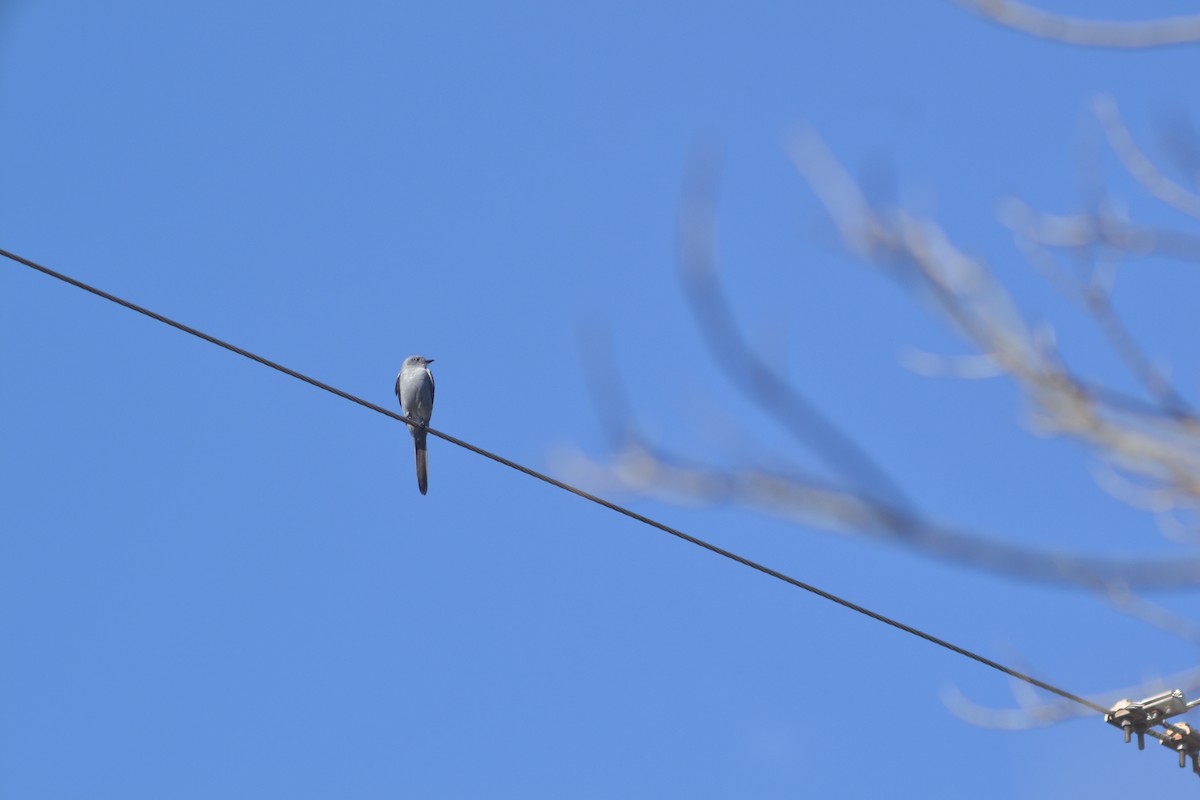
(1185, 740)
(1141, 717)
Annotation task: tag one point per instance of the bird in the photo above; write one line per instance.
(414, 390)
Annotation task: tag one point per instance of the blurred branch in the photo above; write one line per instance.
(1130, 604)
(1102, 234)
(1038, 714)
(747, 371)
(1131, 434)
(1148, 447)
(932, 365)
(1139, 164)
(1029, 19)
(1035, 711)
(1098, 229)
(805, 499)
(1181, 143)
(1164, 447)
(792, 493)
(1094, 295)
(606, 384)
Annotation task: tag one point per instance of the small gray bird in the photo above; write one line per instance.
(414, 388)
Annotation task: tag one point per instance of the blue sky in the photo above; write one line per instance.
(218, 581)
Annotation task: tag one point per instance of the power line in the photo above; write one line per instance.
(962, 651)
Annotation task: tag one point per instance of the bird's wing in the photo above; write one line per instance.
(431, 386)
(399, 375)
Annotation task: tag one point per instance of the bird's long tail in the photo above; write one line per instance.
(422, 461)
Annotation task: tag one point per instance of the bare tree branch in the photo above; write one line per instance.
(1139, 164)
(1083, 32)
(747, 371)
(1041, 714)
(808, 500)
(1081, 231)
(1147, 442)
(1180, 142)
(1094, 295)
(1162, 447)
(1134, 436)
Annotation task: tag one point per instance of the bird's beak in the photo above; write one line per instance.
(429, 361)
